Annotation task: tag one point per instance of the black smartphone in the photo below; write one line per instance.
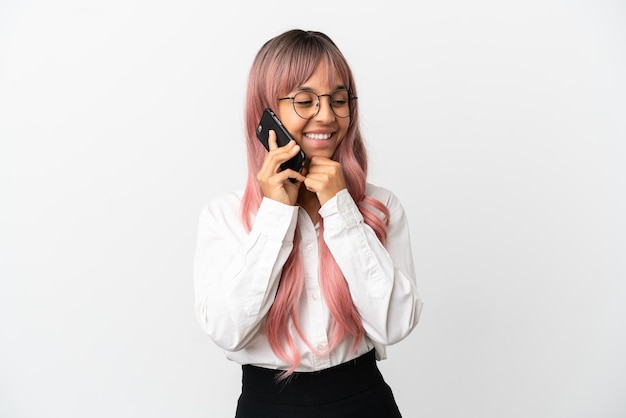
(270, 122)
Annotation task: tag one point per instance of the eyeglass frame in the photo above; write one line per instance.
(319, 101)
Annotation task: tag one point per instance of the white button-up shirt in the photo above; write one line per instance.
(236, 276)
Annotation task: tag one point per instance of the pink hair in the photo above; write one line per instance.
(283, 63)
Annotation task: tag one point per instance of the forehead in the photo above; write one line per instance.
(324, 77)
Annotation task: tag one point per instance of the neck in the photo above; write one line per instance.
(310, 203)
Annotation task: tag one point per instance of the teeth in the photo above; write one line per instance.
(319, 136)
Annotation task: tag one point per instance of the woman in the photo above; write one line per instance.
(305, 277)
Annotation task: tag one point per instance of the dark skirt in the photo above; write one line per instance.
(353, 389)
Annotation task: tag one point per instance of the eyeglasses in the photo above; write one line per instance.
(307, 104)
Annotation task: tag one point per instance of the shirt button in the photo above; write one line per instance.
(321, 347)
(309, 247)
(314, 296)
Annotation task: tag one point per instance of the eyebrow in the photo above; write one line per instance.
(305, 88)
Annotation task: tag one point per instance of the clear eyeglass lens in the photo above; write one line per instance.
(307, 104)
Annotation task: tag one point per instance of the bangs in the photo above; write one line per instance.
(295, 68)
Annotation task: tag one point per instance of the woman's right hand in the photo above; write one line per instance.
(274, 183)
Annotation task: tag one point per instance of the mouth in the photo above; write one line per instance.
(318, 137)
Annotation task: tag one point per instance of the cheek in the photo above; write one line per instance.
(293, 126)
(290, 121)
(343, 129)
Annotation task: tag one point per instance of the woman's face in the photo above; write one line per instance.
(322, 134)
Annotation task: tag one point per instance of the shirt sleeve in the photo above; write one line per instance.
(236, 274)
(381, 278)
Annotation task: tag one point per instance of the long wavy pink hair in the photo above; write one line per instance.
(283, 63)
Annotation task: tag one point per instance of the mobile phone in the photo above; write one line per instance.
(269, 121)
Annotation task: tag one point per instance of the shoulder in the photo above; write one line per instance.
(223, 206)
(385, 196)
(382, 194)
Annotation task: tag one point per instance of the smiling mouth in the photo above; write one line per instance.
(318, 137)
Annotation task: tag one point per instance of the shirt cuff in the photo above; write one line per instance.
(276, 220)
(341, 208)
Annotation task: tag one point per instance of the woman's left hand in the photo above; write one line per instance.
(324, 177)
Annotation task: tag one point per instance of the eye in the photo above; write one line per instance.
(304, 99)
(340, 99)
(303, 103)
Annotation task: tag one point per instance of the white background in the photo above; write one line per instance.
(500, 125)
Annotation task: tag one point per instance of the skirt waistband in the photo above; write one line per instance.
(305, 388)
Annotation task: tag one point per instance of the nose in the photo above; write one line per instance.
(325, 112)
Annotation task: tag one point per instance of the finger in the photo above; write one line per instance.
(316, 159)
(291, 174)
(316, 163)
(278, 155)
(285, 153)
(271, 140)
(312, 184)
(284, 177)
(330, 169)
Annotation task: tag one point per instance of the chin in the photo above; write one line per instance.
(317, 153)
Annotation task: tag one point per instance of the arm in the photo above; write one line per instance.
(236, 274)
(381, 278)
